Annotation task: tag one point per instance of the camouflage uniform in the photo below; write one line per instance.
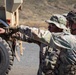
(67, 57)
(48, 60)
(65, 68)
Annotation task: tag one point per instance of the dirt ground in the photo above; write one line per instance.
(29, 61)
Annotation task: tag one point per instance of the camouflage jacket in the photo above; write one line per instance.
(62, 40)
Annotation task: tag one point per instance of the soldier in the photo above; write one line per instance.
(53, 27)
(71, 18)
(71, 23)
(69, 69)
(57, 23)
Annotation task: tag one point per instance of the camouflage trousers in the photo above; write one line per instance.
(65, 67)
(60, 67)
(40, 72)
(48, 62)
(66, 70)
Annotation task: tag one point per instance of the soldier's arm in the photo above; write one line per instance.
(26, 38)
(36, 34)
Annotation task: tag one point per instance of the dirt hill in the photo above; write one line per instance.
(40, 10)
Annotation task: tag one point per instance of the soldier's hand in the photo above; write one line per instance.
(16, 35)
